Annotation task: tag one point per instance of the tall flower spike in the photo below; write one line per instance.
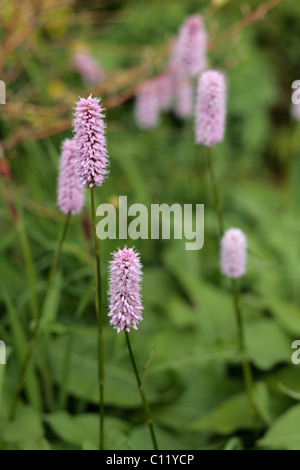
(184, 98)
(210, 108)
(234, 253)
(165, 91)
(190, 53)
(147, 106)
(91, 153)
(70, 194)
(124, 291)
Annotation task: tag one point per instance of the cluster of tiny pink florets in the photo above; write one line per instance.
(190, 49)
(147, 106)
(233, 253)
(210, 108)
(125, 305)
(91, 152)
(70, 194)
(173, 89)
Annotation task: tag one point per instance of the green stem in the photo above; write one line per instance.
(35, 333)
(142, 393)
(217, 199)
(100, 322)
(247, 373)
(248, 378)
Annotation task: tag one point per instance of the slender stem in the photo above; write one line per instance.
(142, 393)
(247, 373)
(35, 333)
(217, 199)
(248, 378)
(100, 323)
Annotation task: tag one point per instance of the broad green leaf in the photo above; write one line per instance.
(267, 344)
(206, 386)
(26, 430)
(287, 314)
(83, 430)
(284, 432)
(74, 429)
(82, 375)
(231, 415)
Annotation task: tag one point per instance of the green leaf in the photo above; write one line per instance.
(284, 432)
(267, 345)
(206, 386)
(26, 430)
(262, 401)
(289, 392)
(74, 429)
(83, 369)
(231, 415)
(234, 443)
(83, 430)
(89, 445)
(286, 313)
(21, 345)
(52, 302)
(141, 439)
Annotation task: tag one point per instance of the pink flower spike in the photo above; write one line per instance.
(91, 153)
(234, 253)
(191, 46)
(165, 91)
(147, 106)
(70, 195)
(184, 99)
(210, 108)
(124, 290)
(87, 67)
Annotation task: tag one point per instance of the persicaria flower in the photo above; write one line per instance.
(147, 106)
(125, 306)
(91, 152)
(165, 91)
(70, 194)
(87, 67)
(210, 108)
(190, 53)
(184, 98)
(234, 253)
